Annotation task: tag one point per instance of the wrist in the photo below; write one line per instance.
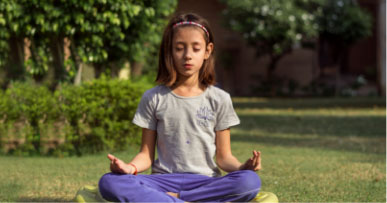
(241, 167)
(134, 169)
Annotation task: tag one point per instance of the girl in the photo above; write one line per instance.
(190, 121)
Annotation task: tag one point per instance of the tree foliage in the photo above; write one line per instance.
(273, 27)
(99, 31)
(344, 21)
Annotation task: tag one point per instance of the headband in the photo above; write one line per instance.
(192, 23)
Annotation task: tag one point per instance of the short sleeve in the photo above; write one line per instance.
(226, 115)
(145, 114)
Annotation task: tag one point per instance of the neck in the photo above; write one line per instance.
(188, 83)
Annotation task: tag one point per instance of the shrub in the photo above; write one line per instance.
(93, 117)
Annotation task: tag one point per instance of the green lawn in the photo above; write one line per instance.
(313, 150)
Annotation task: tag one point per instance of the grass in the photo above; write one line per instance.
(313, 150)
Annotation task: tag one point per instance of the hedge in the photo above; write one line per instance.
(74, 120)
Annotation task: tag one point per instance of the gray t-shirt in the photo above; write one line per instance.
(185, 128)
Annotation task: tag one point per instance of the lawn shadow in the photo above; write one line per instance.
(322, 125)
(309, 103)
(349, 133)
(42, 199)
(372, 145)
(9, 191)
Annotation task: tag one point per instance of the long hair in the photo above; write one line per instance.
(167, 74)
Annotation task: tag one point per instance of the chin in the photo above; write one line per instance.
(186, 72)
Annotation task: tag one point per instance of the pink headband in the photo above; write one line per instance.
(192, 23)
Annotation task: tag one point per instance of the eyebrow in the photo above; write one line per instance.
(194, 43)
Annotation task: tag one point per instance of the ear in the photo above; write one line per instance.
(209, 49)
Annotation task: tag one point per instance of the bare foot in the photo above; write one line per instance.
(173, 194)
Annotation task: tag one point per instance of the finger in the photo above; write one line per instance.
(257, 155)
(259, 165)
(253, 162)
(111, 157)
(256, 160)
(112, 168)
(116, 160)
(257, 168)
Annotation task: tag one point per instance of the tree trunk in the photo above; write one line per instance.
(270, 74)
(99, 69)
(342, 64)
(15, 66)
(66, 52)
(136, 68)
(272, 66)
(343, 60)
(27, 51)
(56, 47)
(78, 64)
(78, 76)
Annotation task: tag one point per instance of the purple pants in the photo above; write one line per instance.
(238, 186)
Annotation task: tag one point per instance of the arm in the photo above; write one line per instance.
(224, 158)
(226, 161)
(143, 160)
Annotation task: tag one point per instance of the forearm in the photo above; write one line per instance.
(142, 161)
(228, 163)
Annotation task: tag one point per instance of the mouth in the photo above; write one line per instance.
(188, 65)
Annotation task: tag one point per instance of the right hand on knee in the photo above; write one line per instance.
(118, 166)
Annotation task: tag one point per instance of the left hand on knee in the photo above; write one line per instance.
(253, 163)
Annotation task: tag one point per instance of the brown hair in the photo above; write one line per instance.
(167, 74)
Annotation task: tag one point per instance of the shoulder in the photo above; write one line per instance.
(218, 97)
(155, 91)
(154, 94)
(217, 93)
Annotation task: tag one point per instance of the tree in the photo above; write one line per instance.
(96, 32)
(273, 27)
(341, 24)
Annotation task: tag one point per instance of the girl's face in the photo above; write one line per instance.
(189, 51)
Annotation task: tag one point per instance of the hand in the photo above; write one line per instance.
(254, 163)
(118, 166)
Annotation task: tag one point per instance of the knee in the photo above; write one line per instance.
(107, 186)
(248, 181)
(105, 183)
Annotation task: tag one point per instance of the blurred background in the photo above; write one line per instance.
(298, 48)
(263, 48)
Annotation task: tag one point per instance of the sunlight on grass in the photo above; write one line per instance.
(53, 179)
(375, 111)
(313, 150)
(304, 174)
(325, 150)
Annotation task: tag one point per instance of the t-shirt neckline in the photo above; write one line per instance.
(183, 97)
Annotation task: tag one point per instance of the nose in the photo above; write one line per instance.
(187, 55)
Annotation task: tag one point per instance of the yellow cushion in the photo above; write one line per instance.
(90, 193)
(265, 197)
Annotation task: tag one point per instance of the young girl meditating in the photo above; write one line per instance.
(189, 120)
